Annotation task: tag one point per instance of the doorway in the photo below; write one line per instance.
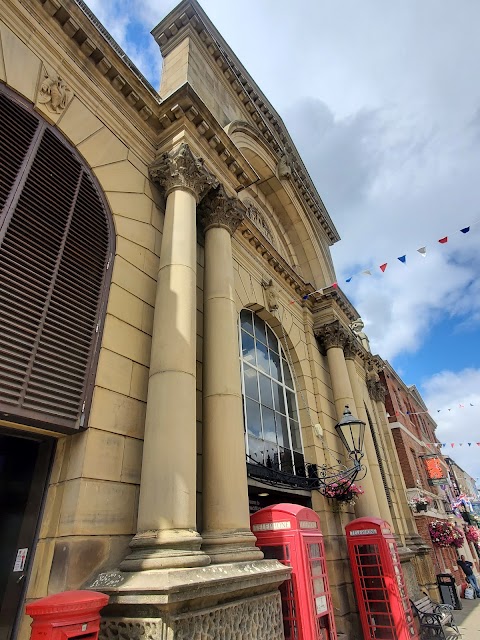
(24, 467)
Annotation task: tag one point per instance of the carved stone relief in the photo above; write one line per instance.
(375, 388)
(220, 210)
(284, 170)
(271, 295)
(181, 169)
(54, 92)
(258, 220)
(357, 328)
(333, 334)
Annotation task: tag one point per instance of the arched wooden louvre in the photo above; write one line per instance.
(55, 248)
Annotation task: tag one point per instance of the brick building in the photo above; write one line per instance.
(426, 472)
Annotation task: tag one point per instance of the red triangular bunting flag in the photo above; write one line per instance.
(383, 267)
(443, 240)
(335, 285)
(452, 444)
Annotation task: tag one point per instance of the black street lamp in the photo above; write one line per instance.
(351, 432)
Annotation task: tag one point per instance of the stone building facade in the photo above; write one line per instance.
(426, 471)
(160, 251)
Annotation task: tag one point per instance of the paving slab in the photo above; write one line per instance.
(468, 619)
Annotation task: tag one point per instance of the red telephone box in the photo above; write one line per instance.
(382, 597)
(291, 534)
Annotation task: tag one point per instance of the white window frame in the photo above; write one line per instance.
(283, 361)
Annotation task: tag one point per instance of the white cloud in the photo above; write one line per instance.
(447, 390)
(382, 102)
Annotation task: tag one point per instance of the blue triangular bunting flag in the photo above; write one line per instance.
(465, 230)
(403, 259)
(348, 279)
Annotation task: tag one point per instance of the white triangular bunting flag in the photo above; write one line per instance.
(422, 251)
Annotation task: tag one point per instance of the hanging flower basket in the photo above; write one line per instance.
(420, 503)
(472, 534)
(343, 492)
(446, 534)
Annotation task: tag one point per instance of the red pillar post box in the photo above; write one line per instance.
(380, 589)
(72, 615)
(291, 534)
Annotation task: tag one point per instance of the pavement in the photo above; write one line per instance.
(468, 619)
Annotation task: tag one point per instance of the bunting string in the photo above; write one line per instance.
(383, 267)
(466, 405)
(444, 445)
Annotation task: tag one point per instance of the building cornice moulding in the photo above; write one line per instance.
(402, 427)
(185, 109)
(273, 261)
(96, 47)
(189, 16)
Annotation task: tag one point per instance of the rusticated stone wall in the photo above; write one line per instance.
(255, 618)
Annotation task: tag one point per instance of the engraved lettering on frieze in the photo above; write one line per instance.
(220, 210)
(180, 169)
(258, 220)
(271, 295)
(54, 92)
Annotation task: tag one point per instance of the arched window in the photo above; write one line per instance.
(272, 425)
(56, 243)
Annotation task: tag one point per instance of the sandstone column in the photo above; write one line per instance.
(166, 528)
(373, 481)
(226, 534)
(334, 337)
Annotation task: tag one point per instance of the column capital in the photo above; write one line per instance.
(351, 349)
(180, 169)
(333, 334)
(376, 390)
(220, 210)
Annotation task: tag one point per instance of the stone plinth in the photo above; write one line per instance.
(233, 601)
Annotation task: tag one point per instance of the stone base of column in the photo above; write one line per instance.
(233, 546)
(174, 548)
(239, 600)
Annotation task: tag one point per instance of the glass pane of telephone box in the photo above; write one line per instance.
(287, 590)
(374, 592)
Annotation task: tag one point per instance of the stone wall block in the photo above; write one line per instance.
(21, 67)
(96, 507)
(102, 148)
(118, 413)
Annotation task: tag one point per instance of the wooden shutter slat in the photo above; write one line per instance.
(53, 256)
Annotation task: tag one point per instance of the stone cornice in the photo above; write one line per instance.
(188, 16)
(218, 209)
(180, 169)
(185, 109)
(95, 46)
(266, 252)
(332, 296)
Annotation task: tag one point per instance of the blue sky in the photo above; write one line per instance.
(383, 103)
